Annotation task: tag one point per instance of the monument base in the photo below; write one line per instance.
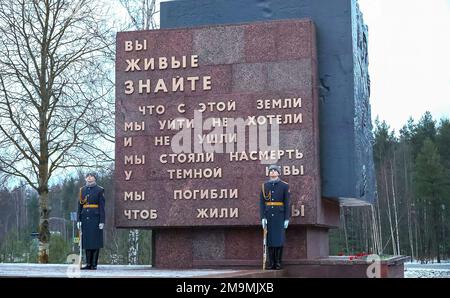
(343, 267)
(331, 267)
(187, 248)
(305, 253)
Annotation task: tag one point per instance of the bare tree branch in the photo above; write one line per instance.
(142, 13)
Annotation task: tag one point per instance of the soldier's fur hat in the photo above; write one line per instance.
(91, 174)
(276, 168)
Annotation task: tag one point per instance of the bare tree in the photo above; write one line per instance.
(376, 245)
(395, 205)
(142, 13)
(379, 227)
(394, 248)
(54, 109)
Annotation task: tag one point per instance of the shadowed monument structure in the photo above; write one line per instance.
(256, 72)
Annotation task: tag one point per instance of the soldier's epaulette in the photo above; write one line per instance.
(284, 182)
(101, 187)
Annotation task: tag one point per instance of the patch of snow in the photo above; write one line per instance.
(430, 270)
(121, 271)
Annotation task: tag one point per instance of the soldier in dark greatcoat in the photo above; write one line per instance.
(274, 212)
(91, 219)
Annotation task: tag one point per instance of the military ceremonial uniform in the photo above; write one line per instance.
(274, 206)
(91, 212)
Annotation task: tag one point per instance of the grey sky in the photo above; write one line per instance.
(409, 58)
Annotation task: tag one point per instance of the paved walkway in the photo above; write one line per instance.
(119, 271)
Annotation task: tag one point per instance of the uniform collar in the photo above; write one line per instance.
(275, 180)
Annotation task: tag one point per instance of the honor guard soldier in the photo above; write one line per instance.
(274, 212)
(91, 219)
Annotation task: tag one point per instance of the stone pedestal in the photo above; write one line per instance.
(241, 247)
(343, 267)
(233, 247)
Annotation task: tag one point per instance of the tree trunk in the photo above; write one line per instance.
(395, 207)
(44, 228)
(345, 229)
(418, 236)
(426, 235)
(444, 238)
(375, 237)
(394, 250)
(44, 209)
(409, 207)
(379, 230)
(16, 201)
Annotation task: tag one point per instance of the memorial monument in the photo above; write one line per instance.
(226, 88)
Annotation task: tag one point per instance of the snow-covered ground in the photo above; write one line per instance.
(412, 270)
(430, 270)
(104, 271)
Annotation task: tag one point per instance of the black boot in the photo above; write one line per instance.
(271, 258)
(278, 255)
(88, 260)
(95, 259)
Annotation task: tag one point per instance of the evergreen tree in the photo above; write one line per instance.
(431, 182)
(443, 141)
(426, 128)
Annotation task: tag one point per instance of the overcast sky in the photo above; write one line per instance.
(409, 58)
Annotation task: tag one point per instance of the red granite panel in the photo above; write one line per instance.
(295, 39)
(261, 42)
(173, 248)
